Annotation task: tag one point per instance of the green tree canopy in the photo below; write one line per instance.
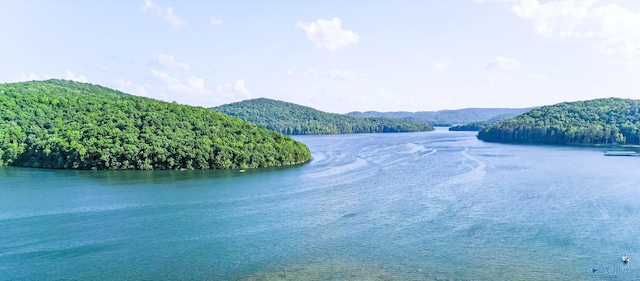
(293, 119)
(72, 125)
(596, 122)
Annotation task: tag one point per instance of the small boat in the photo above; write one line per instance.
(625, 259)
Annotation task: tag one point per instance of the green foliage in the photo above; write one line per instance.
(473, 126)
(477, 126)
(595, 122)
(71, 125)
(448, 117)
(293, 119)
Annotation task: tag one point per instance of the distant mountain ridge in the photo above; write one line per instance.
(448, 117)
(293, 119)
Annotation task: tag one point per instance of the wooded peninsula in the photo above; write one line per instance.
(592, 122)
(72, 125)
(293, 119)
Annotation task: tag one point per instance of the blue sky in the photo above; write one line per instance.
(336, 56)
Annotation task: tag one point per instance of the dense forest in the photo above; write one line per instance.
(477, 126)
(293, 119)
(592, 122)
(72, 125)
(473, 126)
(448, 118)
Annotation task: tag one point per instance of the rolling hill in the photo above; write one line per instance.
(293, 119)
(591, 122)
(72, 125)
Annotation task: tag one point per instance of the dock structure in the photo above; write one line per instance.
(620, 153)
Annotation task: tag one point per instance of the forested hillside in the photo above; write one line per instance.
(599, 121)
(447, 117)
(477, 126)
(293, 119)
(473, 126)
(71, 125)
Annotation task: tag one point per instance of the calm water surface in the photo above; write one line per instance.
(416, 206)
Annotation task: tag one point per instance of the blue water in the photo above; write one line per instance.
(414, 206)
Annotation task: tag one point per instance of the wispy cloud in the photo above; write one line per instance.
(240, 87)
(23, 77)
(128, 87)
(79, 78)
(347, 75)
(192, 85)
(171, 62)
(172, 18)
(231, 92)
(166, 13)
(441, 65)
(27, 77)
(328, 34)
(618, 28)
(502, 62)
(215, 21)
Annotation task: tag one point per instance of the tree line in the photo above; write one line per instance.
(448, 118)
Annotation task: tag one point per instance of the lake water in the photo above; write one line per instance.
(412, 206)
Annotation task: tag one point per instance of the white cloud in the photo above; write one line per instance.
(441, 65)
(23, 77)
(164, 77)
(616, 26)
(147, 4)
(171, 62)
(215, 21)
(231, 93)
(128, 87)
(328, 34)
(192, 90)
(78, 78)
(165, 13)
(196, 84)
(502, 62)
(27, 77)
(193, 85)
(566, 18)
(240, 87)
(172, 18)
(347, 75)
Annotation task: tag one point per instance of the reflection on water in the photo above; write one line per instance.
(138, 177)
(417, 206)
